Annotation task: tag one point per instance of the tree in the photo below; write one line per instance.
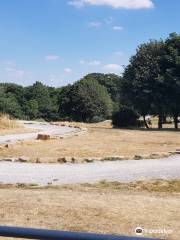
(171, 69)
(40, 94)
(111, 82)
(32, 109)
(11, 100)
(143, 83)
(85, 101)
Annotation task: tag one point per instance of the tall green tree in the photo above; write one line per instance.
(111, 82)
(171, 70)
(85, 101)
(143, 83)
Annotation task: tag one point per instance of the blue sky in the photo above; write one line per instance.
(59, 41)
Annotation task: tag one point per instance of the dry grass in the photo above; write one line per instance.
(7, 123)
(101, 140)
(101, 208)
(161, 186)
(10, 126)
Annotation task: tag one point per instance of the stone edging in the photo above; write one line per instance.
(74, 160)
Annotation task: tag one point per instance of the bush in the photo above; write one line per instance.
(125, 117)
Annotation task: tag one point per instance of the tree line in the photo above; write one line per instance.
(91, 99)
(150, 84)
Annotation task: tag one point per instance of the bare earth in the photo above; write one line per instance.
(92, 209)
(101, 140)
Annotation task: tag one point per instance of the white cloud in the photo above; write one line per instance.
(68, 70)
(95, 24)
(91, 63)
(119, 53)
(113, 67)
(52, 58)
(126, 4)
(118, 28)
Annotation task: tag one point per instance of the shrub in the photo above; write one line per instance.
(125, 117)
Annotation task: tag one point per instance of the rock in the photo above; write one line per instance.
(8, 159)
(62, 160)
(38, 160)
(113, 158)
(24, 159)
(159, 155)
(55, 180)
(73, 159)
(88, 160)
(43, 136)
(177, 151)
(138, 157)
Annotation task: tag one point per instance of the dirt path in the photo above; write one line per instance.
(128, 170)
(53, 130)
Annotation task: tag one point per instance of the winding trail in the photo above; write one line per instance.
(53, 130)
(43, 174)
(124, 171)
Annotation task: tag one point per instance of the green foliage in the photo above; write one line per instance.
(111, 82)
(37, 101)
(125, 117)
(142, 85)
(32, 109)
(84, 101)
(151, 82)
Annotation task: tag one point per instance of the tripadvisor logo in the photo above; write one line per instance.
(139, 231)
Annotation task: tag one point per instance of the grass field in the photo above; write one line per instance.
(103, 208)
(100, 141)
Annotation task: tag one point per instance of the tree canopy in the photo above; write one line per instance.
(86, 101)
(151, 80)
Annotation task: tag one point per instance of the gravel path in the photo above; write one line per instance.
(53, 130)
(128, 170)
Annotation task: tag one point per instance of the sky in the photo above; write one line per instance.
(57, 42)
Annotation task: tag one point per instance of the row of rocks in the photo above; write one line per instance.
(93, 159)
(20, 159)
(115, 158)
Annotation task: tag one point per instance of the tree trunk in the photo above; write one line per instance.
(176, 122)
(145, 123)
(164, 119)
(160, 126)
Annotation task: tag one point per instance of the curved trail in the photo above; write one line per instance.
(53, 130)
(128, 170)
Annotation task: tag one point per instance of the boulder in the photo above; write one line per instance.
(41, 136)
